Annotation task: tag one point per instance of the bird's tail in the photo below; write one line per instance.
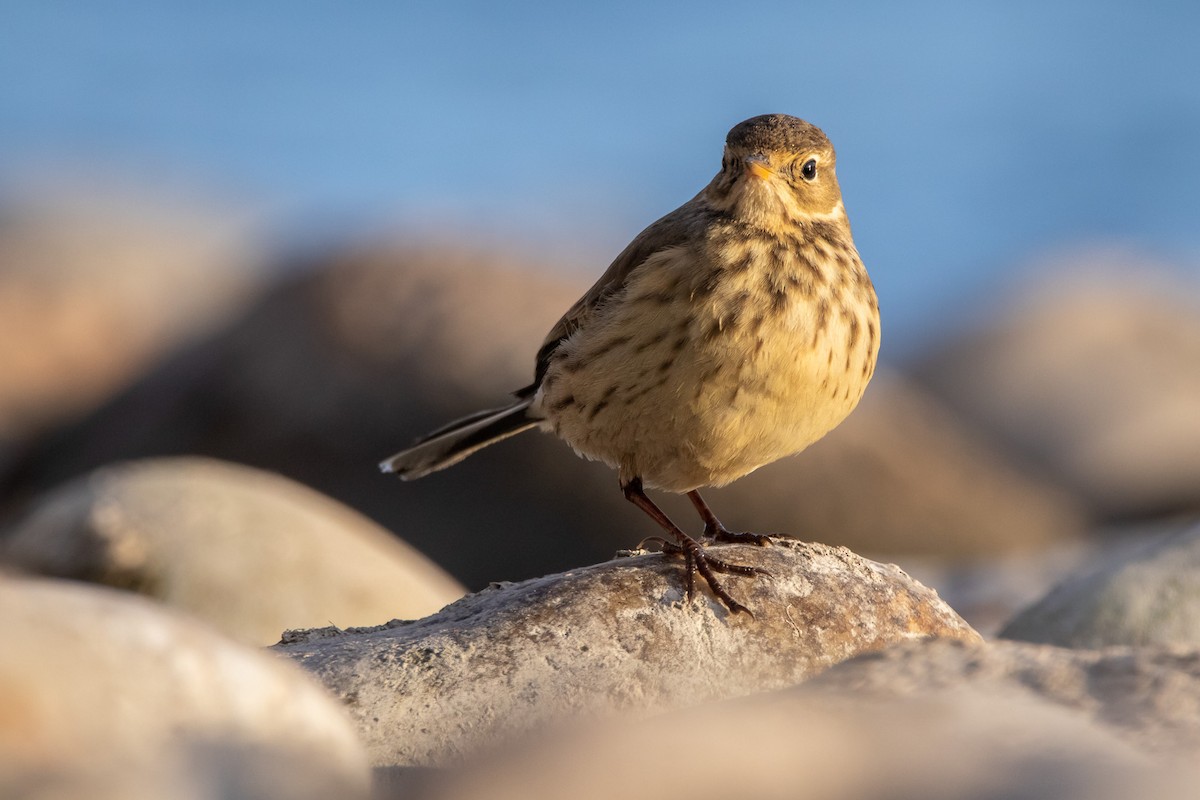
(452, 443)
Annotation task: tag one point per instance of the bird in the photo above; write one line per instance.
(734, 331)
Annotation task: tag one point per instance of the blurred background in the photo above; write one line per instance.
(297, 236)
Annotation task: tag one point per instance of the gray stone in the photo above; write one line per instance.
(612, 638)
(1150, 596)
(105, 694)
(250, 552)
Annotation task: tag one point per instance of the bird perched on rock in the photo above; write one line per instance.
(736, 330)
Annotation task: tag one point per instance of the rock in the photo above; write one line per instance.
(987, 592)
(1091, 377)
(1150, 697)
(610, 638)
(1150, 596)
(957, 744)
(249, 552)
(347, 361)
(93, 288)
(356, 355)
(107, 695)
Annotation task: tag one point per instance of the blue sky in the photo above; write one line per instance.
(971, 137)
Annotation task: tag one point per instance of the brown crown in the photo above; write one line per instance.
(776, 133)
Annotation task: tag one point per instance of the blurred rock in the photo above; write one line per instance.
(959, 743)
(356, 355)
(249, 552)
(611, 638)
(93, 288)
(106, 695)
(1091, 374)
(988, 591)
(1150, 596)
(342, 364)
(1149, 697)
(903, 475)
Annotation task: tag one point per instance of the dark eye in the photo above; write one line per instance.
(809, 170)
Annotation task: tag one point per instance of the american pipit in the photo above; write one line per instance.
(736, 330)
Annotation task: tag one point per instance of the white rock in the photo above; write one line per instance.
(611, 639)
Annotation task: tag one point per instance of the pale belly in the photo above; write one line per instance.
(683, 404)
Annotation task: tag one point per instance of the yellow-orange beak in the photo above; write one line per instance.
(757, 166)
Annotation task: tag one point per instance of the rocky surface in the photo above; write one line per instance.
(104, 694)
(1143, 595)
(612, 638)
(1090, 374)
(249, 552)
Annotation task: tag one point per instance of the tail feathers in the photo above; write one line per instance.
(452, 443)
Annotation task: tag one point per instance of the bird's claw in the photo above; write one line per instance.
(697, 561)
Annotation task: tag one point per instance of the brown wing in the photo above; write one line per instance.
(669, 231)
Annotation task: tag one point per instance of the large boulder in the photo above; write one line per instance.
(248, 551)
(613, 638)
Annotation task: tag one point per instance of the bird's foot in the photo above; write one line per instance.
(696, 560)
(692, 551)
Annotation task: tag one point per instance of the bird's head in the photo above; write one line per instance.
(777, 170)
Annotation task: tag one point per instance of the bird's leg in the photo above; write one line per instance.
(713, 529)
(691, 550)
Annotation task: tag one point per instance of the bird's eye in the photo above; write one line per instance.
(809, 170)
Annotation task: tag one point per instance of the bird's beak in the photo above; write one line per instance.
(757, 166)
